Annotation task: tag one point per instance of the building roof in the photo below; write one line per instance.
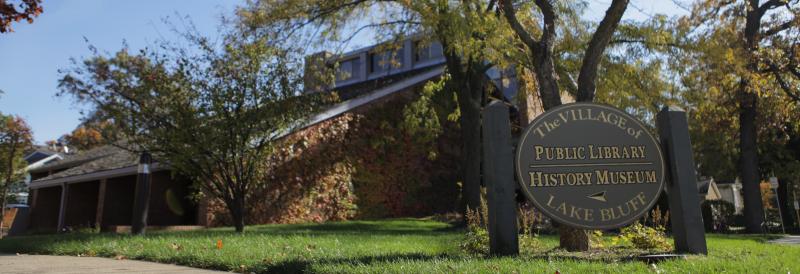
(72, 160)
(365, 87)
(708, 190)
(103, 162)
(391, 87)
(102, 158)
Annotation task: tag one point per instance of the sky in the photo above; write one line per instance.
(30, 57)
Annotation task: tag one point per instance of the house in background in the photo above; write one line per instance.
(38, 156)
(708, 190)
(729, 191)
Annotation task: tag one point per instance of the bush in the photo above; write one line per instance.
(476, 242)
(643, 237)
(718, 215)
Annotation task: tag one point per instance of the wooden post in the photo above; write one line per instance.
(684, 203)
(498, 172)
(141, 201)
(62, 208)
(101, 200)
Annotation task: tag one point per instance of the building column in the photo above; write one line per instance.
(101, 202)
(141, 201)
(62, 209)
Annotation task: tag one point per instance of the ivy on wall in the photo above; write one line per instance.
(392, 158)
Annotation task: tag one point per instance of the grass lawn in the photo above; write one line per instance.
(398, 246)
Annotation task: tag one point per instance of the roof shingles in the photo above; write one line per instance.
(99, 159)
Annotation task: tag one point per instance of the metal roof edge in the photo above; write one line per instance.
(348, 105)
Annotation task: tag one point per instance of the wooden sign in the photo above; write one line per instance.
(590, 166)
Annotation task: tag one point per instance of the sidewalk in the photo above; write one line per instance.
(66, 264)
(792, 240)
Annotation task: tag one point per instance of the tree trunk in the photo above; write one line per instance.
(547, 79)
(573, 239)
(469, 102)
(3, 209)
(236, 207)
(753, 207)
(748, 101)
(467, 81)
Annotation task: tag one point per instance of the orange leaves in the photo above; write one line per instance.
(9, 13)
(219, 244)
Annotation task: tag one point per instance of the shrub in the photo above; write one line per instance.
(718, 215)
(596, 239)
(643, 237)
(476, 242)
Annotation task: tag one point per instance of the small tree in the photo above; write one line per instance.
(15, 137)
(213, 113)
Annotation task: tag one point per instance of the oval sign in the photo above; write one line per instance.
(590, 166)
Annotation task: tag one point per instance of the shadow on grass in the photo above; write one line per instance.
(385, 228)
(304, 266)
(759, 238)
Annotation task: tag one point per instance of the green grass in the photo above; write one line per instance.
(397, 246)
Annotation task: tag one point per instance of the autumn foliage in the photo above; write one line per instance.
(9, 13)
(362, 164)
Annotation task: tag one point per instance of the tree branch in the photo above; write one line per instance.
(645, 43)
(778, 28)
(511, 16)
(784, 86)
(771, 4)
(594, 52)
(549, 26)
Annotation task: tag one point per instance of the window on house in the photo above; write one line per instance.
(424, 51)
(348, 69)
(385, 60)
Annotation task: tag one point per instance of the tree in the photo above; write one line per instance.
(88, 135)
(9, 13)
(477, 36)
(540, 52)
(466, 29)
(212, 112)
(755, 71)
(15, 138)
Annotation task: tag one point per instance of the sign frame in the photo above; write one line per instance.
(651, 139)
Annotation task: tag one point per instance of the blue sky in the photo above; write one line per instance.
(31, 56)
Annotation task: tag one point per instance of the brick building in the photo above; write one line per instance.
(95, 188)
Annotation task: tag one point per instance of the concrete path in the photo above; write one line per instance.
(791, 239)
(67, 264)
